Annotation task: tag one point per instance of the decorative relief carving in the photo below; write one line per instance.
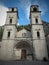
(19, 39)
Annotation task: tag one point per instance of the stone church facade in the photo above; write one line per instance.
(23, 44)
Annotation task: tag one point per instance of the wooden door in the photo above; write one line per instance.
(23, 54)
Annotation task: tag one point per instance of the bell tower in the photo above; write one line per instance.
(10, 30)
(37, 31)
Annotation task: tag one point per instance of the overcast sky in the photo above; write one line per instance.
(23, 10)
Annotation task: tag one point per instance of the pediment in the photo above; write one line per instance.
(23, 33)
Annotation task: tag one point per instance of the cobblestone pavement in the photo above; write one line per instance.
(24, 63)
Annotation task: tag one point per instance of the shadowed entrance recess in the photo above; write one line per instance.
(26, 52)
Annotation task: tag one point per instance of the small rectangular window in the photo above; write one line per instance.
(10, 21)
(0, 46)
(36, 20)
(8, 34)
(38, 34)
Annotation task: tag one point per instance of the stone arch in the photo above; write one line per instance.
(23, 44)
(25, 48)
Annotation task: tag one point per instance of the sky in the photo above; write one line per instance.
(23, 10)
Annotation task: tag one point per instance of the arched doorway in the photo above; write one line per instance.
(25, 48)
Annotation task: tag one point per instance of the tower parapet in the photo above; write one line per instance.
(34, 8)
(13, 9)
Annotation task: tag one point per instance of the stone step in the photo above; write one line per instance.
(24, 62)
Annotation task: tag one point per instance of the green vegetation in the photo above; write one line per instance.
(1, 32)
(27, 27)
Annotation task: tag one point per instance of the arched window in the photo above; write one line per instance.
(38, 34)
(36, 20)
(8, 34)
(10, 21)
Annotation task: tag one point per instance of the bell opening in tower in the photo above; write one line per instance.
(12, 9)
(35, 9)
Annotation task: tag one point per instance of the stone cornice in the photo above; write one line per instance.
(35, 11)
(10, 25)
(36, 24)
